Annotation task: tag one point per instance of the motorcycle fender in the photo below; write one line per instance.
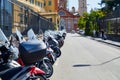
(35, 70)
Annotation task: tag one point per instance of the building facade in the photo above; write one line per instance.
(46, 8)
(22, 16)
(51, 8)
(36, 5)
(6, 16)
(27, 14)
(82, 6)
(18, 18)
(51, 5)
(68, 20)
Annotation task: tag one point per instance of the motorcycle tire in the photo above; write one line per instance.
(58, 53)
(61, 42)
(49, 71)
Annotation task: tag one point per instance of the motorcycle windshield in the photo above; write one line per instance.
(3, 38)
(32, 38)
(49, 33)
(31, 35)
(21, 38)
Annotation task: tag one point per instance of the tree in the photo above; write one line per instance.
(89, 22)
(110, 5)
(82, 20)
(81, 23)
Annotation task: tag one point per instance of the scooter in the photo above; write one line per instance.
(45, 63)
(26, 72)
(53, 43)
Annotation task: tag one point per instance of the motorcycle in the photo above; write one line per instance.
(26, 72)
(53, 43)
(44, 63)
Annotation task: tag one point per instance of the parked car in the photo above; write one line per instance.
(81, 32)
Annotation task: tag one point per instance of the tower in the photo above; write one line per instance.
(63, 3)
(73, 10)
(82, 6)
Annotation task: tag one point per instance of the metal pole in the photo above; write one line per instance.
(4, 15)
(0, 13)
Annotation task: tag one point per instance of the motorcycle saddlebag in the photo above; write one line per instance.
(32, 51)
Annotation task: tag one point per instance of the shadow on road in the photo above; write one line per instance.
(103, 63)
(82, 65)
(107, 61)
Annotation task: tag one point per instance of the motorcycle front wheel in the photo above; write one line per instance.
(48, 70)
(58, 52)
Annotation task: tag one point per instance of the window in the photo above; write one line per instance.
(61, 13)
(36, 3)
(32, 1)
(21, 9)
(49, 3)
(21, 17)
(50, 19)
(41, 4)
(50, 10)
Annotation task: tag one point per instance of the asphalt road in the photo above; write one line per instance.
(86, 59)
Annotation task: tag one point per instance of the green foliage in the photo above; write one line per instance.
(82, 20)
(89, 21)
(91, 28)
(87, 31)
(81, 23)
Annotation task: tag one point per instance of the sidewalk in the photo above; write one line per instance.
(107, 41)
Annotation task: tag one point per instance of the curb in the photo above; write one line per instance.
(106, 42)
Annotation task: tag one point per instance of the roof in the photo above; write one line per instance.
(68, 13)
(65, 10)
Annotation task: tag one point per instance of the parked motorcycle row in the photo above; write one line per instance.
(30, 58)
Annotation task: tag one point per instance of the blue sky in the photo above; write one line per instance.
(90, 4)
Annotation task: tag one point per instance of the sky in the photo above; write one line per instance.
(90, 4)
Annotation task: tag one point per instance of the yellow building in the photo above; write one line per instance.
(46, 8)
(51, 5)
(52, 17)
(19, 11)
(18, 18)
(51, 8)
(35, 5)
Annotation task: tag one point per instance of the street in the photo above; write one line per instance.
(86, 59)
